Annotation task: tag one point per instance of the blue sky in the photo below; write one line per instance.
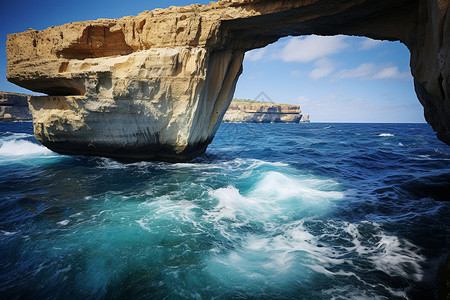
(334, 79)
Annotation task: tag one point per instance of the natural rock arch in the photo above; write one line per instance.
(156, 86)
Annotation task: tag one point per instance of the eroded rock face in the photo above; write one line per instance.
(163, 104)
(156, 86)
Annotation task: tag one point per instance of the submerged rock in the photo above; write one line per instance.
(156, 85)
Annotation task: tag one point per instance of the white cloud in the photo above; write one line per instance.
(324, 67)
(391, 73)
(296, 73)
(302, 100)
(368, 44)
(255, 54)
(363, 71)
(312, 47)
(371, 71)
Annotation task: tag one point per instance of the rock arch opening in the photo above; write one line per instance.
(335, 78)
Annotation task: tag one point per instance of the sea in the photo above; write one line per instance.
(270, 211)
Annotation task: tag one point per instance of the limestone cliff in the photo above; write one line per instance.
(248, 111)
(14, 107)
(156, 85)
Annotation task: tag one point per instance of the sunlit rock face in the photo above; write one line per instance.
(156, 86)
(162, 104)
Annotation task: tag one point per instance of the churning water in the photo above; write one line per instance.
(275, 211)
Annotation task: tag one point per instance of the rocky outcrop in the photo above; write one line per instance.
(14, 107)
(156, 86)
(248, 111)
(305, 118)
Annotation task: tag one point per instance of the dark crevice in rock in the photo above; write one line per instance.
(441, 85)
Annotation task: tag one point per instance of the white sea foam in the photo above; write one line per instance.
(355, 293)
(8, 232)
(230, 202)
(240, 163)
(164, 210)
(63, 222)
(394, 256)
(428, 157)
(244, 166)
(270, 202)
(108, 163)
(15, 135)
(385, 134)
(279, 186)
(273, 196)
(291, 248)
(23, 148)
(264, 242)
(76, 214)
(63, 270)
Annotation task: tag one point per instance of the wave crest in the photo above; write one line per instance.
(23, 148)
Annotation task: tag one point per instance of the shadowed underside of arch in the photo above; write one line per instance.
(156, 86)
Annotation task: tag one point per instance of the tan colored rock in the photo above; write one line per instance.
(247, 111)
(156, 85)
(151, 104)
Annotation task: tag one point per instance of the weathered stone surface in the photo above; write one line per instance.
(14, 107)
(136, 108)
(156, 86)
(247, 111)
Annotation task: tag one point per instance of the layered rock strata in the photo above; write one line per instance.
(156, 85)
(136, 108)
(14, 107)
(245, 111)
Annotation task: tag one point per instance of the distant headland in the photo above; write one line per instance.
(14, 107)
(253, 111)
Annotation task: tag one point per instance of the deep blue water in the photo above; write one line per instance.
(272, 211)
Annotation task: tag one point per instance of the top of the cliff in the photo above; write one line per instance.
(2, 93)
(198, 7)
(248, 101)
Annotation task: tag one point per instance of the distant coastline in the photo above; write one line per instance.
(252, 111)
(14, 107)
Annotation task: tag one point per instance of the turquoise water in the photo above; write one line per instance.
(274, 211)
